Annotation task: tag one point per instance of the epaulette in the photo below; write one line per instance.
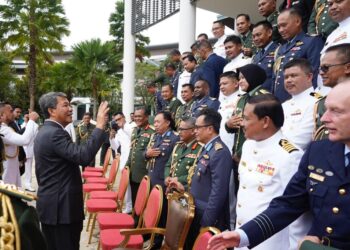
(286, 145)
(264, 91)
(299, 43)
(212, 98)
(12, 190)
(202, 144)
(174, 98)
(149, 126)
(179, 142)
(175, 133)
(218, 146)
(316, 95)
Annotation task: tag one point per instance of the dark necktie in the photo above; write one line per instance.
(347, 167)
(262, 52)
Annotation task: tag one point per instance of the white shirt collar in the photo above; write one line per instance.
(345, 22)
(304, 94)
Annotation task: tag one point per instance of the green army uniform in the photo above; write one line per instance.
(20, 228)
(83, 132)
(320, 131)
(181, 164)
(247, 42)
(239, 133)
(320, 23)
(172, 106)
(183, 111)
(272, 18)
(137, 163)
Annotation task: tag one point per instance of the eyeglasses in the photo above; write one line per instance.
(118, 119)
(325, 68)
(202, 126)
(184, 129)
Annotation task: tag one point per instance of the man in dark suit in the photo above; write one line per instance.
(321, 185)
(60, 195)
(212, 67)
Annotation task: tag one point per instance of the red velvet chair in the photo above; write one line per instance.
(121, 220)
(112, 238)
(89, 187)
(93, 206)
(203, 238)
(98, 171)
(102, 179)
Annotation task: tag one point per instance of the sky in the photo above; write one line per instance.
(89, 19)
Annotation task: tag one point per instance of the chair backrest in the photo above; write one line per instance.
(123, 185)
(106, 160)
(141, 198)
(113, 172)
(180, 215)
(203, 237)
(153, 209)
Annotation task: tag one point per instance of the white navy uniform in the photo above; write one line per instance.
(11, 141)
(237, 62)
(219, 47)
(123, 139)
(27, 176)
(184, 78)
(226, 108)
(339, 35)
(265, 170)
(298, 118)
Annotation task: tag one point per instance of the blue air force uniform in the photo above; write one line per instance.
(301, 46)
(210, 185)
(156, 165)
(265, 58)
(322, 186)
(205, 102)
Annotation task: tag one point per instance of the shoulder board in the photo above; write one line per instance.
(316, 95)
(179, 142)
(201, 144)
(149, 126)
(286, 145)
(174, 98)
(176, 133)
(12, 190)
(212, 98)
(299, 43)
(264, 91)
(218, 146)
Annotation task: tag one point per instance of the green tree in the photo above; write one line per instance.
(33, 28)
(117, 31)
(97, 65)
(6, 74)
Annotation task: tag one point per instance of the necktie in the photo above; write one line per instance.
(347, 167)
(262, 51)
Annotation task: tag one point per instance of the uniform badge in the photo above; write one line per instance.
(286, 145)
(299, 43)
(319, 170)
(341, 37)
(146, 135)
(192, 156)
(329, 173)
(218, 146)
(206, 157)
(296, 112)
(244, 164)
(261, 188)
(317, 177)
(310, 167)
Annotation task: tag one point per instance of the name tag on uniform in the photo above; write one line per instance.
(192, 156)
(316, 177)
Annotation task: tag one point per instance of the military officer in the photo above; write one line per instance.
(268, 162)
(12, 141)
(83, 132)
(267, 8)
(243, 27)
(335, 65)
(210, 180)
(251, 77)
(202, 99)
(171, 103)
(298, 45)
(183, 157)
(160, 147)
(298, 111)
(320, 22)
(157, 100)
(184, 110)
(265, 56)
(140, 138)
(321, 185)
(19, 221)
(339, 12)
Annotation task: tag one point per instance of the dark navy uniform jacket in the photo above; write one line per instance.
(266, 61)
(156, 166)
(321, 186)
(205, 102)
(301, 46)
(210, 185)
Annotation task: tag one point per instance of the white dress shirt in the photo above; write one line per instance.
(219, 47)
(237, 62)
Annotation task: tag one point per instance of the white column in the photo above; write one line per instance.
(128, 88)
(187, 26)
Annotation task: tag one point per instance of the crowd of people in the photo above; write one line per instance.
(254, 127)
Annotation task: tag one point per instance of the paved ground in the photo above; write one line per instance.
(84, 235)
